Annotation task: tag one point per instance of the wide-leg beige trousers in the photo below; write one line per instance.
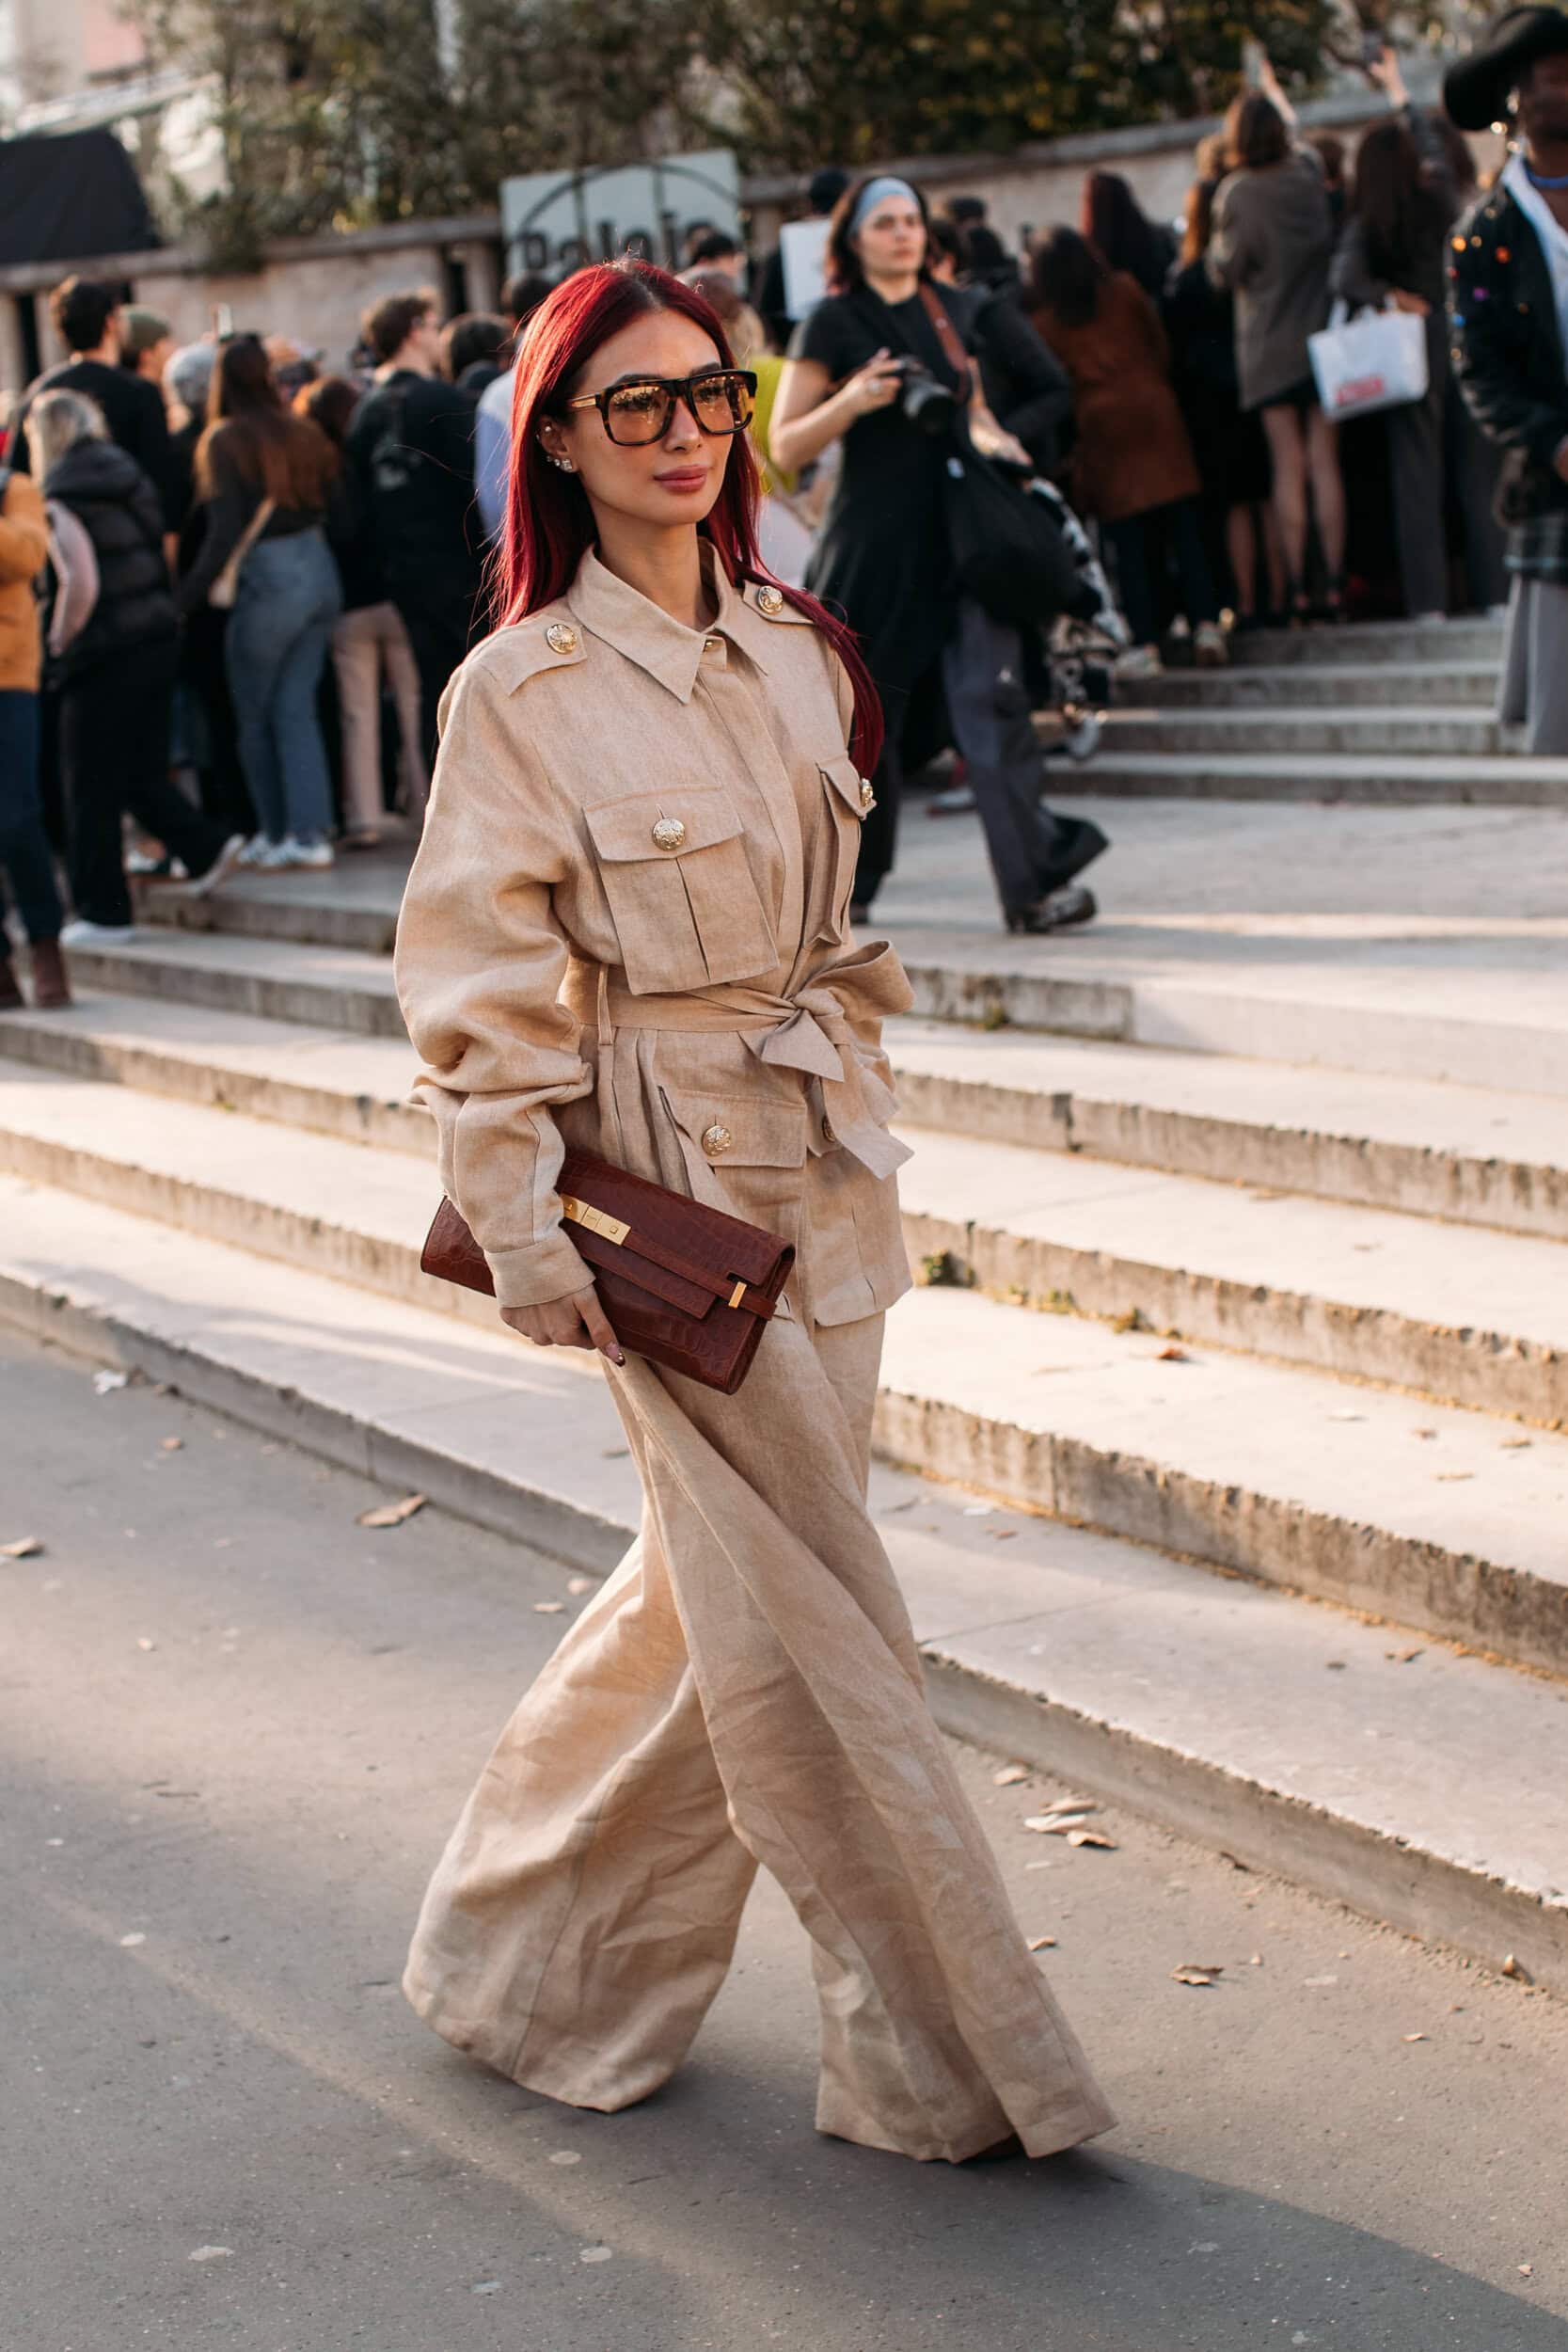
(746, 1689)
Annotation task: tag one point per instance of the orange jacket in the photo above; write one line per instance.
(23, 547)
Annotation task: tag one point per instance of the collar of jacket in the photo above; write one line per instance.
(621, 617)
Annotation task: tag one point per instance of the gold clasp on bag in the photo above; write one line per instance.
(737, 1294)
(597, 1221)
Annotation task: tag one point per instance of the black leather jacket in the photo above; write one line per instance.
(1507, 351)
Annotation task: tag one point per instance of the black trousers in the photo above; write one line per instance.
(1144, 545)
(114, 758)
(225, 795)
(25, 858)
(440, 636)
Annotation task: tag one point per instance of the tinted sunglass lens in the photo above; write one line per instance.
(639, 412)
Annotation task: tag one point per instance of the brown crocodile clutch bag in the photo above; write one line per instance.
(681, 1283)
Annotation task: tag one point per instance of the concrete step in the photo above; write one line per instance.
(1300, 685)
(1470, 1155)
(353, 905)
(1392, 777)
(1464, 1314)
(329, 1082)
(1363, 642)
(280, 979)
(1286, 1474)
(1439, 731)
(1472, 1003)
(1296, 1738)
(1476, 1318)
(1438, 1002)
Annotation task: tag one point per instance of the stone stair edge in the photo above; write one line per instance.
(1261, 1530)
(966, 1217)
(1439, 1894)
(258, 1066)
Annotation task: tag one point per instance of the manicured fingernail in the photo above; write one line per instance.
(615, 1355)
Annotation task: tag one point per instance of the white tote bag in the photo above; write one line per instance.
(1377, 360)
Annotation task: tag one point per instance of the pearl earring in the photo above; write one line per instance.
(562, 465)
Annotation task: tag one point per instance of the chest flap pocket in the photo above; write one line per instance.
(686, 909)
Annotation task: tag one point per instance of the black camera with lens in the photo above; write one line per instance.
(929, 406)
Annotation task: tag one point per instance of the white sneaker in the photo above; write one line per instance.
(1209, 647)
(274, 856)
(1140, 661)
(255, 850)
(220, 869)
(313, 856)
(81, 933)
(1081, 733)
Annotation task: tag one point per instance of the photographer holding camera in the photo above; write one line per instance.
(880, 366)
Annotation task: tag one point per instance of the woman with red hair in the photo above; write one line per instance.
(625, 932)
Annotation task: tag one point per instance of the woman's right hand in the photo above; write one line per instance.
(1403, 299)
(576, 1321)
(875, 385)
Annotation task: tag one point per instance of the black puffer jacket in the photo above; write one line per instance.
(114, 499)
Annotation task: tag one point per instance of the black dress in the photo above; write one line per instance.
(881, 559)
(1228, 444)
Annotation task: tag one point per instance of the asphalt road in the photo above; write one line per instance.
(234, 1730)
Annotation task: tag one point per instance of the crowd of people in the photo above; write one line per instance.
(262, 575)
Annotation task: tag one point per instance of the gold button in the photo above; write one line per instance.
(669, 833)
(717, 1140)
(561, 637)
(868, 798)
(713, 645)
(771, 600)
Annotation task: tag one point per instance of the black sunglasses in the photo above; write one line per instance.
(642, 408)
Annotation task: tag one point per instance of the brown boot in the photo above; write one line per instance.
(51, 988)
(10, 996)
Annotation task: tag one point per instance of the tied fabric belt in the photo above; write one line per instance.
(808, 1031)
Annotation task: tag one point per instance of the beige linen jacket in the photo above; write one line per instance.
(626, 930)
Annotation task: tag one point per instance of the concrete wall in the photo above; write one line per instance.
(313, 290)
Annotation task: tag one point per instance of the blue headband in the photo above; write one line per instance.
(876, 192)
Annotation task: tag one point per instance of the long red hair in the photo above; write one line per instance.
(550, 524)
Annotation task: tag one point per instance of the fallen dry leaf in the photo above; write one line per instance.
(1412, 2036)
(1516, 1968)
(1193, 1972)
(1009, 1776)
(1403, 1657)
(548, 1607)
(1452, 1478)
(170, 1445)
(1527, 2270)
(391, 1514)
(1042, 1943)
(24, 1548)
(1424, 1433)
(1092, 1837)
(579, 1583)
(1001, 1534)
(1173, 1356)
(1514, 1445)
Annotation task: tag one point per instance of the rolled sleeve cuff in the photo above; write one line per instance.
(537, 1273)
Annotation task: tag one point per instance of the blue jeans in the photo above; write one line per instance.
(26, 857)
(275, 650)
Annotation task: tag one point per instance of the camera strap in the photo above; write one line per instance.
(947, 335)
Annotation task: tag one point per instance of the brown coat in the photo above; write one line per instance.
(1132, 452)
(23, 547)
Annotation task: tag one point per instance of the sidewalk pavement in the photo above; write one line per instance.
(238, 1727)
